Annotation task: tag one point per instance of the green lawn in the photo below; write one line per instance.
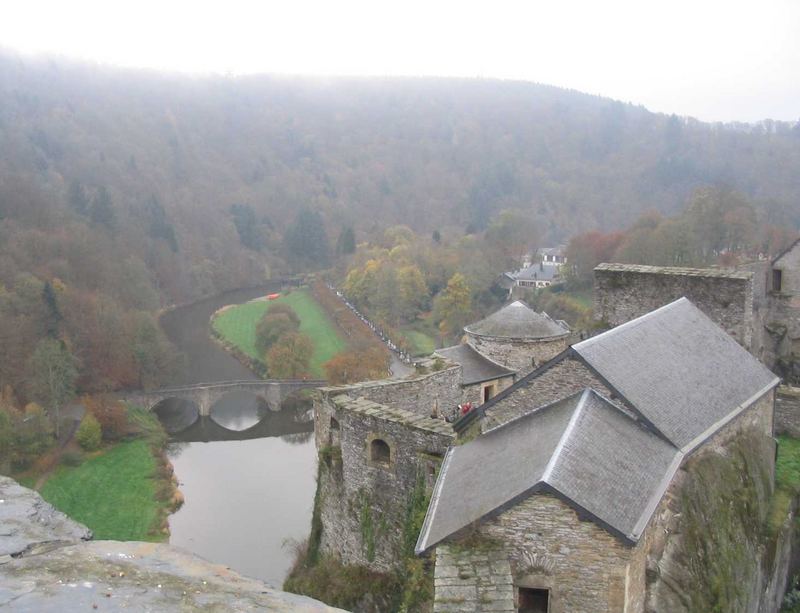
(238, 326)
(420, 344)
(787, 464)
(113, 493)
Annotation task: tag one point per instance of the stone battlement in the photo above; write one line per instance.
(362, 406)
(718, 273)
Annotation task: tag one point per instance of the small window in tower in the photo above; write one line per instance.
(777, 279)
(533, 600)
(379, 451)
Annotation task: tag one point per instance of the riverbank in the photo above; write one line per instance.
(124, 491)
(234, 326)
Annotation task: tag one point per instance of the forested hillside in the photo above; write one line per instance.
(124, 191)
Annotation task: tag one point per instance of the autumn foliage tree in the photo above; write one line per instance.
(290, 356)
(363, 364)
(279, 320)
(111, 414)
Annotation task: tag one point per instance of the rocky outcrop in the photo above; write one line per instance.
(46, 565)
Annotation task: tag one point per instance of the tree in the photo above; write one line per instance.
(102, 209)
(412, 292)
(77, 198)
(54, 371)
(111, 415)
(346, 244)
(89, 434)
(357, 365)
(271, 327)
(305, 241)
(289, 357)
(453, 305)
(244, 218)
(53, 315)
(512, 234)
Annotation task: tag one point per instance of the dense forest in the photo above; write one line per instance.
(122, 192)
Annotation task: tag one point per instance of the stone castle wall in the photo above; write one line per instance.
(421, 395)
(519, 355)
(623, 292)
(663, 566)
(474, 393)
(364, 503)
(787, 411)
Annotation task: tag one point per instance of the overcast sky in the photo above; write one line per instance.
(714, 60)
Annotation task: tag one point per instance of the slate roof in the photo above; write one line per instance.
(583, 449)
(681, 376)
(517, 320)
(784, 252)
(682, 372)
(475, 368)
(536, 272)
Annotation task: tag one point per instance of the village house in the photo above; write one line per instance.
(553, 256)
(562, 502)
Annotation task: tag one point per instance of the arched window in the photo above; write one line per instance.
(379, 451)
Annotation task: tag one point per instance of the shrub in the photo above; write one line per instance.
(112, 415)
(89, 434)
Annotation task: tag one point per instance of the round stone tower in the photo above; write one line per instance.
(518, 337)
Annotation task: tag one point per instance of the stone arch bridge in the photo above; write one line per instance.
(205, 395)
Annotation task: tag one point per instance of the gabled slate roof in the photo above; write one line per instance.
(475, 368)
(517, 320)
(682, 372)
(583, 449)
(680, 378)
(536, 272)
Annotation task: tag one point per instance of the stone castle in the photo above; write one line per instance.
(572, 482)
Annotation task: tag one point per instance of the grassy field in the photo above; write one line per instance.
(420, 343)
(113, 493)
(238, 326)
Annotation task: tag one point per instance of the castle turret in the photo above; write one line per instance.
(518, 337)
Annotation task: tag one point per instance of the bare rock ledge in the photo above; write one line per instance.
(48, 563)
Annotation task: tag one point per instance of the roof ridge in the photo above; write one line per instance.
(579, 408)
(633, 323)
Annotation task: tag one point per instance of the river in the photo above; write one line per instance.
(247, 473)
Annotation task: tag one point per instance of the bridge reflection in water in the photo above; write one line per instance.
(237, 416)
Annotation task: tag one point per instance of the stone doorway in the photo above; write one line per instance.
(533, 600)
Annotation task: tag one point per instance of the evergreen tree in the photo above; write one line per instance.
(346, 244)
(306, 242)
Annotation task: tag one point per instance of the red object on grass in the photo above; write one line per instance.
(273, 296)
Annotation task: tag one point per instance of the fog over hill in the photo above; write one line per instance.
(433, 153)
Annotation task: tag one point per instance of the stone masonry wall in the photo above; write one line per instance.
(469, 580)
(659, 565)
(623, 292)
(419, 395)
(787, 411)
(563, 379)
(364, 503)
(519, 355)
(474, 393)
(550, 547)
